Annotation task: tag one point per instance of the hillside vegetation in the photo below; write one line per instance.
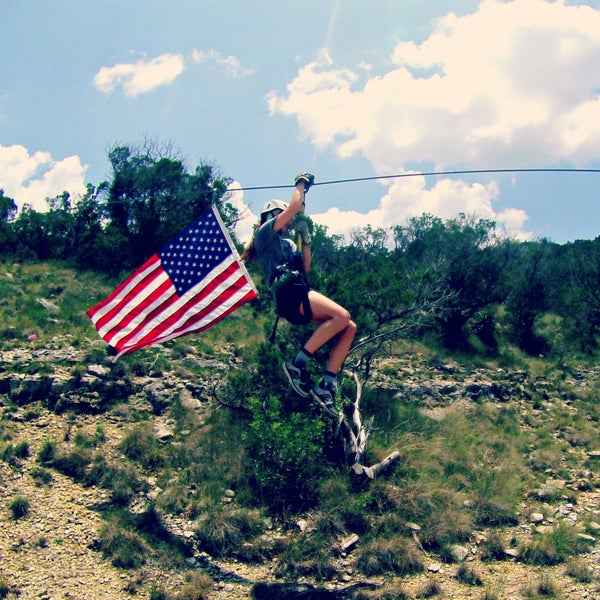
(190, 470)
(198, 464)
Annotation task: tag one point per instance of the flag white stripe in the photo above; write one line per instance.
(132, 284)
(200, 305)
(138, 321)
(209, 318)
(117, 318)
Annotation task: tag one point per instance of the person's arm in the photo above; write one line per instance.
(303, 182)
(306, 257)
(284, 219)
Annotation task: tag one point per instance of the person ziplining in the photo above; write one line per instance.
(285, 265)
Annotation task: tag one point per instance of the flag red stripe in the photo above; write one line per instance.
(142, 330)
(223, 299)
(97, 312)
(146, 308)
(162, 296)
(113, 313)
(198, 321)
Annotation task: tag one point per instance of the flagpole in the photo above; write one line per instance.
(232, 246)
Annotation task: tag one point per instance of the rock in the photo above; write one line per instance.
(302, 524)
(163, 433)
(349, 543)
(458, 553)
(98, 370)
(49, 306)
(188, 401)
(536, 518)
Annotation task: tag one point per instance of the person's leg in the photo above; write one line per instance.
(333, 320)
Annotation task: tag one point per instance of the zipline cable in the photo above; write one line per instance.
(419, 174)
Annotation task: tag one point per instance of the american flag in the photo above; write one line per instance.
(192, 283)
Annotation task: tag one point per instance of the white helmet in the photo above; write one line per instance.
(269, 207)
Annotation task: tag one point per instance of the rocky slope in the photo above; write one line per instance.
(52, 551)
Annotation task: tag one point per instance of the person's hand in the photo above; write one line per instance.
(308, 179)
(301, 227)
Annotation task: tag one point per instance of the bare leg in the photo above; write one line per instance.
(334, 320)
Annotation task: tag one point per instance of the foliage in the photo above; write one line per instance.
(19, 507)
(553, 547)
(126, 549)
(285, 454)
(398, 556)
(117, 225)
(427, 278)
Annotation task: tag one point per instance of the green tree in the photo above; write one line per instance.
(151, 197)
(459, 265)
(529, 277)
(8, 211)
(577, 291)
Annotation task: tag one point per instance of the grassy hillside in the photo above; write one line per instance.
(197, 449)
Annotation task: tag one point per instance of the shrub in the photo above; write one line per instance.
(140, 445)
(122, 481)
(492, 548)
(47, 452)
(4, 588)
(221, 534)
(22, 450)
(468, 576)
(553, 547)
(197, 587)
(429, 590)
(19, 508)
(286, 455)
(305, 556)
(579, 571)
(544, 588)
(399, 556)
(73, 464)
(41, 476)
(124, 548)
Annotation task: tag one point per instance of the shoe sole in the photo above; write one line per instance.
(300, 392)
(332, 412)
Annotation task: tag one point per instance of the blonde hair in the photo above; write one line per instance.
(249, 252)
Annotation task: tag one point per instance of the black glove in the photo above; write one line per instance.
(308, 179)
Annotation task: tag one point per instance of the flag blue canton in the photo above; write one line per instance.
(196, 251)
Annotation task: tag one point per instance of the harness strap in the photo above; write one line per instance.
(274, 332)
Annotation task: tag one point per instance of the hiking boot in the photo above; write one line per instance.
(298, 379)
(326, 396)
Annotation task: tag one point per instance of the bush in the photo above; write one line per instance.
(286, 455)
(19, 508)
(222, 534)
(552, 548)
(125, 548)
(41, 476)
(140, 445)
(4, 588)
(47, 452)
(399, 556)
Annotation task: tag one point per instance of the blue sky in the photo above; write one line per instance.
(341, 88)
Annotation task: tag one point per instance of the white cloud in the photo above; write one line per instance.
(410, 197)
(245, 226)
(31, 178)
(140, 77)
(229, 64)
(512, 85)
